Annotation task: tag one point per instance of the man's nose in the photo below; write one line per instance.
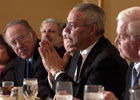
(18, 44)
(67, 29)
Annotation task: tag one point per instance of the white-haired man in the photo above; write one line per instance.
(128, 40)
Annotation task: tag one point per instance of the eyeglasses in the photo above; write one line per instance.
(72, 25)
(19, 39)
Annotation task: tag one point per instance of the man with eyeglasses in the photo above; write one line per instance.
(23, 40)
(101, 63)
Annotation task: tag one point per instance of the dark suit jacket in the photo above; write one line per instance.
(37, 69)
(125, 95)
(61, 51)
(103, 65)
(15, 71)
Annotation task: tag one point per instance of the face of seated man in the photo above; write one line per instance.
(127, 46)
(77, 34)
(21, 41)
(50, 31)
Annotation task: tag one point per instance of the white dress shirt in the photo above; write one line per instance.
(84, 54)
(137, 67)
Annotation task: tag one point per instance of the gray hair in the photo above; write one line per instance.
(92, 14)
(53, 20)
(18, 21)
(132, 18)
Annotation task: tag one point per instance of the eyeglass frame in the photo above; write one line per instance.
(18, 39)
(73, 25)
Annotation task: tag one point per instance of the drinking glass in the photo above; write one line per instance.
(64, 91)
(30, 88)
(93, 92)
(7, 86)
(134, 94)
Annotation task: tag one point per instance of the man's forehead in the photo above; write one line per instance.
(50, 25)
(15, 31)
(121, 26)
(16, 28)
(74, 15)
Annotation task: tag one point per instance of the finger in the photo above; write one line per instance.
(43, 57)
(66, 57)
(45, 44)
(42, 50)
(50, 46)
(54, 97)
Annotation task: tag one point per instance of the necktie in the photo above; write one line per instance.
(79, 62)
(134, 75)
(28, 68)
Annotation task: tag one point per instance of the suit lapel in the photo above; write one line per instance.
(87, 64)
(35, 59)
(20, 67)
(73, 65)
(91, 56)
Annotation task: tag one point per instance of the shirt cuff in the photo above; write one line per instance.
(57, 74)
(50, 82)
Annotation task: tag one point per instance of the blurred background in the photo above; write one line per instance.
(35, 11)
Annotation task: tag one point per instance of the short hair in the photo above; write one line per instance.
(92, 14)
(53, 20)
(18, 21)
(131, 16)
(9, 50)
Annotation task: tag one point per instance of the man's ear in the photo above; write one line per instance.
(93, 29)
(34, 35)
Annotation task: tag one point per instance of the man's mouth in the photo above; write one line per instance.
(23, 52)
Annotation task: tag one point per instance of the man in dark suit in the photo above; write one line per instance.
(101, 63)
(128, 40)
(23, 40)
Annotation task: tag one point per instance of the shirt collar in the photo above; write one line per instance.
(87, 50)
(137, 66)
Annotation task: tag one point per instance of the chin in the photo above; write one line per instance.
(122, 56)
(72, 50)
(25, 56)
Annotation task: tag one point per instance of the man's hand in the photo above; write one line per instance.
(109, 96)
(50, 76)
(50, 58)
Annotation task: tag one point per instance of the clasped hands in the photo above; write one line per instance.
(50, 58)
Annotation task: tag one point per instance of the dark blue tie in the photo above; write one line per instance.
(134, 75)
(79, 62)
(28, 68)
